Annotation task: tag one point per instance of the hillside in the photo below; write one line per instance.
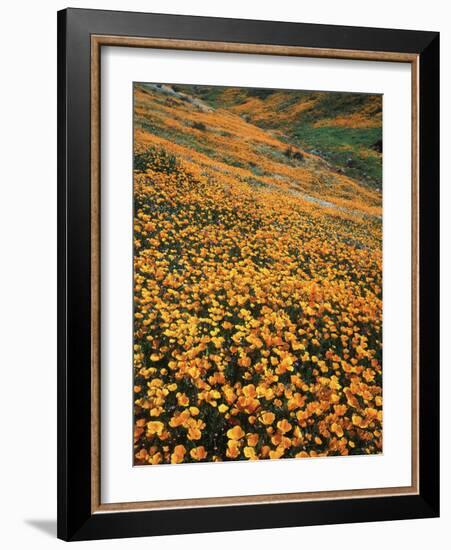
(227, 139)
(257, 283)
(344, 129)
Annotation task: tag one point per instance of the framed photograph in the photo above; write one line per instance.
(248, 274)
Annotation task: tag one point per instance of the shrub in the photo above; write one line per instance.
(292, 154)
(377, 146)
(261, 93)
(157, 159)
(199, 126)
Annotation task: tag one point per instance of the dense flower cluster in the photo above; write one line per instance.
(257, 315)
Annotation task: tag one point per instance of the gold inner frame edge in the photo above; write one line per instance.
(97, 41)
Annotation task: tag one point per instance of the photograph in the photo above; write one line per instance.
(248, 272)
(257, 273)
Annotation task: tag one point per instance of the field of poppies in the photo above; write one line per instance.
(257, 283)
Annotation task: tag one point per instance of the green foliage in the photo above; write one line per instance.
(181, 138)
(331, 105)
(199, 126)
(260, 93)
(208, 94)
(351, 149)
(157, 159)
(292, 154)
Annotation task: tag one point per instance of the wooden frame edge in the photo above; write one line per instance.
(415, 327)
(98, 40)
(228, 47)
(255, 499)
(95, 276)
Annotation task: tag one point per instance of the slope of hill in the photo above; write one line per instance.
(344, 129)
(226, 141)
(257, 288)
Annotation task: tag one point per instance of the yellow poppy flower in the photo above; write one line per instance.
(235, 433)
(252, 439)
(178, 455)
(249, 452)
(268, 418)
(284, 426)
(155, 427)
(198, 453)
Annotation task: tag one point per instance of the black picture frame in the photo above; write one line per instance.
(76, 521)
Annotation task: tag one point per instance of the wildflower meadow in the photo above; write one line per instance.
(257, 274)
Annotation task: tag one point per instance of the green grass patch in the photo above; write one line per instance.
(346, 148)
